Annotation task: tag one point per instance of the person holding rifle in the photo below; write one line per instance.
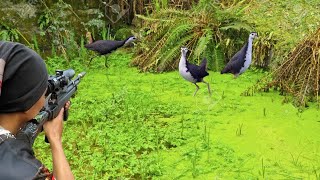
(23, 85)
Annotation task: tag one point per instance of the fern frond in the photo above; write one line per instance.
(218, 58)
(152, 19)
(171, 12)
(177, 32)
(170, 58)
(237, 26)
(198, 28)
(203, 42)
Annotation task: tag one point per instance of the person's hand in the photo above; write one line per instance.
(54, 128)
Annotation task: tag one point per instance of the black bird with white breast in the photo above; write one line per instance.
(192, 72)
(241, 61)
(104, 47)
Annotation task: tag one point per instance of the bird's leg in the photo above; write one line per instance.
(106, 61)
(235, 76)
(196, 89)
(208, 87)
(92, 59)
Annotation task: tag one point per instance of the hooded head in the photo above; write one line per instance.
(23, 77)
(184, 51)
(129, 40)
(253, 35)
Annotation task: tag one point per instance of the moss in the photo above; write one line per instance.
(123, 33)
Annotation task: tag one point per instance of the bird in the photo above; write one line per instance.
(192, 72)
(241, 61)
(105, 47)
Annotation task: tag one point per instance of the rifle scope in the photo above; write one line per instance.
(59, 81)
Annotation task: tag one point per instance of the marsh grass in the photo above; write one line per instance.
(295, 159)
(263, 169)
(316, 173)
(239, 130)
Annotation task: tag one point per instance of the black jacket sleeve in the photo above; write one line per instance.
(17, 161)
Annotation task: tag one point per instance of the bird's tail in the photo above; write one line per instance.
(203, 63)
(203, 67)
(225, 70)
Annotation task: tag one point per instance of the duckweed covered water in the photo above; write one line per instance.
(126, 124)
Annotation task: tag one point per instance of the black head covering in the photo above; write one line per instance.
(23, 77)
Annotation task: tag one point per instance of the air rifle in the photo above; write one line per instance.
(61, 87)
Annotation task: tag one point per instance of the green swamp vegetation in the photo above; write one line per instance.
(137, 119)
(126, 124)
